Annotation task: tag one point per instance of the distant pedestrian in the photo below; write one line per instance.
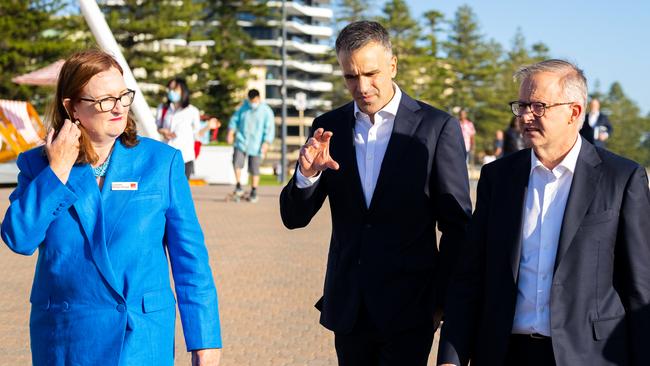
(179, 122)
(498, 144)
(251, 130)
(596, 127)
(468, 130)
(513, 141)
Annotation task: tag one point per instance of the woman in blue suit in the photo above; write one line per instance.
(106, 209)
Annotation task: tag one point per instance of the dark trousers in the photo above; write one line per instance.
(366, 346)
(525, 350)
(189, 169)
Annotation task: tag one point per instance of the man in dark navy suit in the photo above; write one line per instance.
(596, 128)
(392, 168)
(556, 266)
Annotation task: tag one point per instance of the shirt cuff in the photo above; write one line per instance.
(304, 182)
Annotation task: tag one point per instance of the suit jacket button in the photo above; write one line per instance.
(359, 261)
(368, 226)
(65, 306)
(121, 308)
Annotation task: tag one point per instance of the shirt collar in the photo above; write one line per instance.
(390, 108)
(568, 163)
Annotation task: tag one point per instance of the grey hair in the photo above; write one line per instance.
(358, 34)
(572, 80)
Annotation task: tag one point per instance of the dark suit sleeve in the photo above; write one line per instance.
(299, 205)
(607, 124)
(465, 292)
(633, 250)
(453, 205)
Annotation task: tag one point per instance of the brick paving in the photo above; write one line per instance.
(268, 279)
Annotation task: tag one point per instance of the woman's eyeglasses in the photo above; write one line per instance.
(108, 103)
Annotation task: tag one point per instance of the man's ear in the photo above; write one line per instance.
(393, 67)
(576, 111)
(67, 105)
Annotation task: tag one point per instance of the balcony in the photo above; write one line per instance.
(308, 48)
(311, 103)
(315, 86)
(312, 30)
(295, 8)
(308, 67)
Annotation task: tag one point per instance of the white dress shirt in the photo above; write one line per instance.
(370, 142)
(593, 118)
(546, 200)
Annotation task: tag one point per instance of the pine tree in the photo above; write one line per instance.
(33, 34)
(476, 64)
(435, 72)
(140, 26)
(351, 11)
(221, 73)
(404, 32)
(630, 135)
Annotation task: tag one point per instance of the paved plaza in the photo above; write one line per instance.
(268, 280)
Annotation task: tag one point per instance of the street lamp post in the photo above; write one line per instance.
(283, 93)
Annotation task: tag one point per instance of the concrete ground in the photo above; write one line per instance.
(268, 279)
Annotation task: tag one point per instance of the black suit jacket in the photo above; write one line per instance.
(601, 282)
(588, 132)
(386, 256)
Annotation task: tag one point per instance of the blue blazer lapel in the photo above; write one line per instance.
(583, 189)
(121, 169)
(406, 122)
(89, 210)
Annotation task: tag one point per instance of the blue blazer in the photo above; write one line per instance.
(101, 292)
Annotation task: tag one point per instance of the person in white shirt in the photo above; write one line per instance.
(179, 122)
(597, 129)
(555, 269)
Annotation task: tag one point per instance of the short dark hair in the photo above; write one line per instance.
(253, 93)
(358, 34)
(185, 90)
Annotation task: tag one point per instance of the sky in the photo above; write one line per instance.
(609, 40)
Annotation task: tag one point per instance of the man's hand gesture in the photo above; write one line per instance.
(315, 154)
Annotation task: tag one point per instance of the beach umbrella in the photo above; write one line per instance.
(46, 76)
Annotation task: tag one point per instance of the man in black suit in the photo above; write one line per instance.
(392, 168)
(556, 267)
(596, 128)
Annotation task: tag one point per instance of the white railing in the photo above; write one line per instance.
(317, 86)
(309, 67)
(308, 48)
(312, 30)
(295, 8)
(311, 103)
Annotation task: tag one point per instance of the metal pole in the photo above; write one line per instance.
(283, 93)
(105, 39)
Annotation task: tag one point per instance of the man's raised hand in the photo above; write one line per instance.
(315, 154)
